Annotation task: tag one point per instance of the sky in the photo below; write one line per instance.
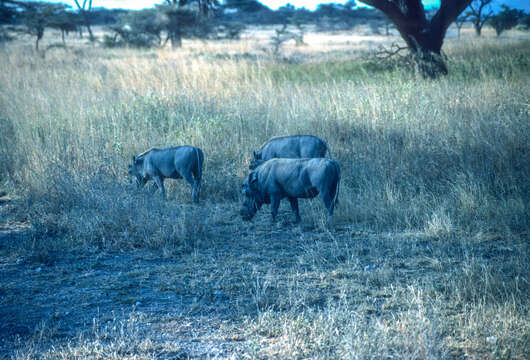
(273, 4)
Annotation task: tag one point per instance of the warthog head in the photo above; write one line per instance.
(135, 171)
(257, 161)
(252, 198)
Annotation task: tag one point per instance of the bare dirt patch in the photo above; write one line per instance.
(233, 296)
(188, 304)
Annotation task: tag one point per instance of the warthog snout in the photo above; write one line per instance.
(244, 214)
(248, 209)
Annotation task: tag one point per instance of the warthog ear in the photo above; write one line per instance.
(256, 155)
(137, 160)
(134, 158)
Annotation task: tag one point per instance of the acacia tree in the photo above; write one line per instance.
(424, 36)
(506, 19)
(205, 6)
(7, 16)
(66, 22)
(84, 10)
(182, 20)
(141, 28)
(37, 16)
(459, 22)
(479, 13)
(178, 23)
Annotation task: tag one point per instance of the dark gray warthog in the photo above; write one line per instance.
(290, 178)
(290, 147)
(174, 163)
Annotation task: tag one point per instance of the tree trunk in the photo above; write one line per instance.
(203, 8)
(163, 45)
(84, 11)
(86, 20)
(425, 45)
(478, 29)
(40, 35)
(176, 39)
(90, 34)
(424, 37)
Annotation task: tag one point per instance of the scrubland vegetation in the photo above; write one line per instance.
(428, 252)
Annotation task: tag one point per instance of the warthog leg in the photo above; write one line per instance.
(140, 183)
(160, 183)
(195, 185)
(330, 204)
(195, 192)
(153, 188)
(294, 207)
(275, 204)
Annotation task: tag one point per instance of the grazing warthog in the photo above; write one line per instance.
(174, 163)
(290, 178)
(290, 147)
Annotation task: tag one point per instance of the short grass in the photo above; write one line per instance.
(428, 250)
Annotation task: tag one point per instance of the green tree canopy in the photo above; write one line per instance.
(37, 16)
(506, 19)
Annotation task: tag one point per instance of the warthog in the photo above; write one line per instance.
(290, 178)
(291, 147)
(174, 163)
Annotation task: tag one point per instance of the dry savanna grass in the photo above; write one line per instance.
(426, 257)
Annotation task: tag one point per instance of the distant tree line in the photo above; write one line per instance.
(173, 20)
(480, 13)
(327, 16)
(34, 17)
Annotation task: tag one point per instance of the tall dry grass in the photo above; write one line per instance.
(442, 157)
(444, 161)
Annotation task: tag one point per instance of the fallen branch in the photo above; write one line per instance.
(395, 49)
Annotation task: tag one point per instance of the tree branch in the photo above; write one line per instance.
(448, 13)
(386, 53)
(407, 14)
(388, 7)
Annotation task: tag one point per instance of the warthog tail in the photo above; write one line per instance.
(329, 152)
(200, 159)
(145, 152)
(336, 197)
(327, 148)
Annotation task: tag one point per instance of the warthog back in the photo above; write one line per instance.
(291, 147)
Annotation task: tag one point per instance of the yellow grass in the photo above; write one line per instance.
(426, 256)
